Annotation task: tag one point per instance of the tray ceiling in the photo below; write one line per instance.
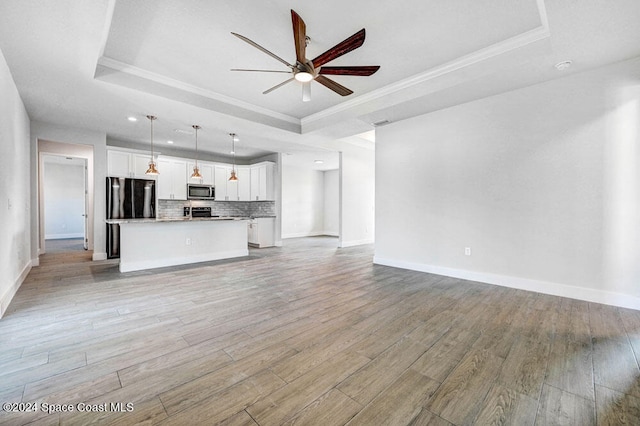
(90, 65)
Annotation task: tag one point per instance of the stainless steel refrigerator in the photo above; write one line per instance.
(127, 199)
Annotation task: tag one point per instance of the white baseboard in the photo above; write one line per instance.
(99, 256)
(6, 298)
(62, 236)
(301, 235)
(345, 244)
(555, 289)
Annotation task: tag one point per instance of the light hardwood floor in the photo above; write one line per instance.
(310, 334)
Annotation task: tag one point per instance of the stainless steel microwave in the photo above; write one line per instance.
(201, 192)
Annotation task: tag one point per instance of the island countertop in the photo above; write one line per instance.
(172, 219)
(179, 219)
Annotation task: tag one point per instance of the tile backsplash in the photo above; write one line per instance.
(175, 208)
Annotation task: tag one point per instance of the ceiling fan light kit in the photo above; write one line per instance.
(306, 71)
(303, 76)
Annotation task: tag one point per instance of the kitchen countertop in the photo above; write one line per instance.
(173, 219)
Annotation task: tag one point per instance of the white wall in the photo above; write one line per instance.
(15, 243)
(537, 182)
(302, 201)
(331, 213)
(357, 195)
(63, 200)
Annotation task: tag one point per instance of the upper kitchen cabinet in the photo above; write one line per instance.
(127, 164)
(244, 183)
(225, 190)
(206, 170)
(172, 179)
(262, 182)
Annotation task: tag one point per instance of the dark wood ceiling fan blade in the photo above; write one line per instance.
(340, 49)
(299, 36)
(359, 70)
(277, 86)
(257, 46)
(338, 88)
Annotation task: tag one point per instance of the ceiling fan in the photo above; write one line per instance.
(306, 71)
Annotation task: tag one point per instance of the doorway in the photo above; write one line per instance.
(64, 193)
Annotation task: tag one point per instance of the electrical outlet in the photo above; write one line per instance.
(188, 242)
(467, 251)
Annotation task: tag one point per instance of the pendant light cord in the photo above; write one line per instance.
(151, 118)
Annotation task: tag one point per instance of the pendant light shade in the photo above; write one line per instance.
(152, 170)
(233, 177)
(196, 171)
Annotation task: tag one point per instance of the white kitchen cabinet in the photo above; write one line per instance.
(118, 163)
(140, 165)
(252, 234)
(127, 164)
(262, 185)
(244, 183)
(206, 170)
(172, 180)
(232, 187)
(261, 232)
(226, 190)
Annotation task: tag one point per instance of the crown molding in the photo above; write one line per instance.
(131, 70)
(492, 51)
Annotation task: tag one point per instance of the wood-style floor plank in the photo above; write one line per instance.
(460, 396)
(441, 358)
(616, 408)
(504, 406)
(332, 408)
(427, 418)
(524, 368)
(400, 403)
(558, 407)
(287, 401)
(378, 374)
(309, 334)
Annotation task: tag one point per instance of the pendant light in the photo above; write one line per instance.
(152, 170)
(196, 172)
(233, 177)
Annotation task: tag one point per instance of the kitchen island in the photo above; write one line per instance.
(154, 243)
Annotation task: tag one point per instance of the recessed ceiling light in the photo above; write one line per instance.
(319, 162)
(561, 66)
(132, 118)
(169, 142)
